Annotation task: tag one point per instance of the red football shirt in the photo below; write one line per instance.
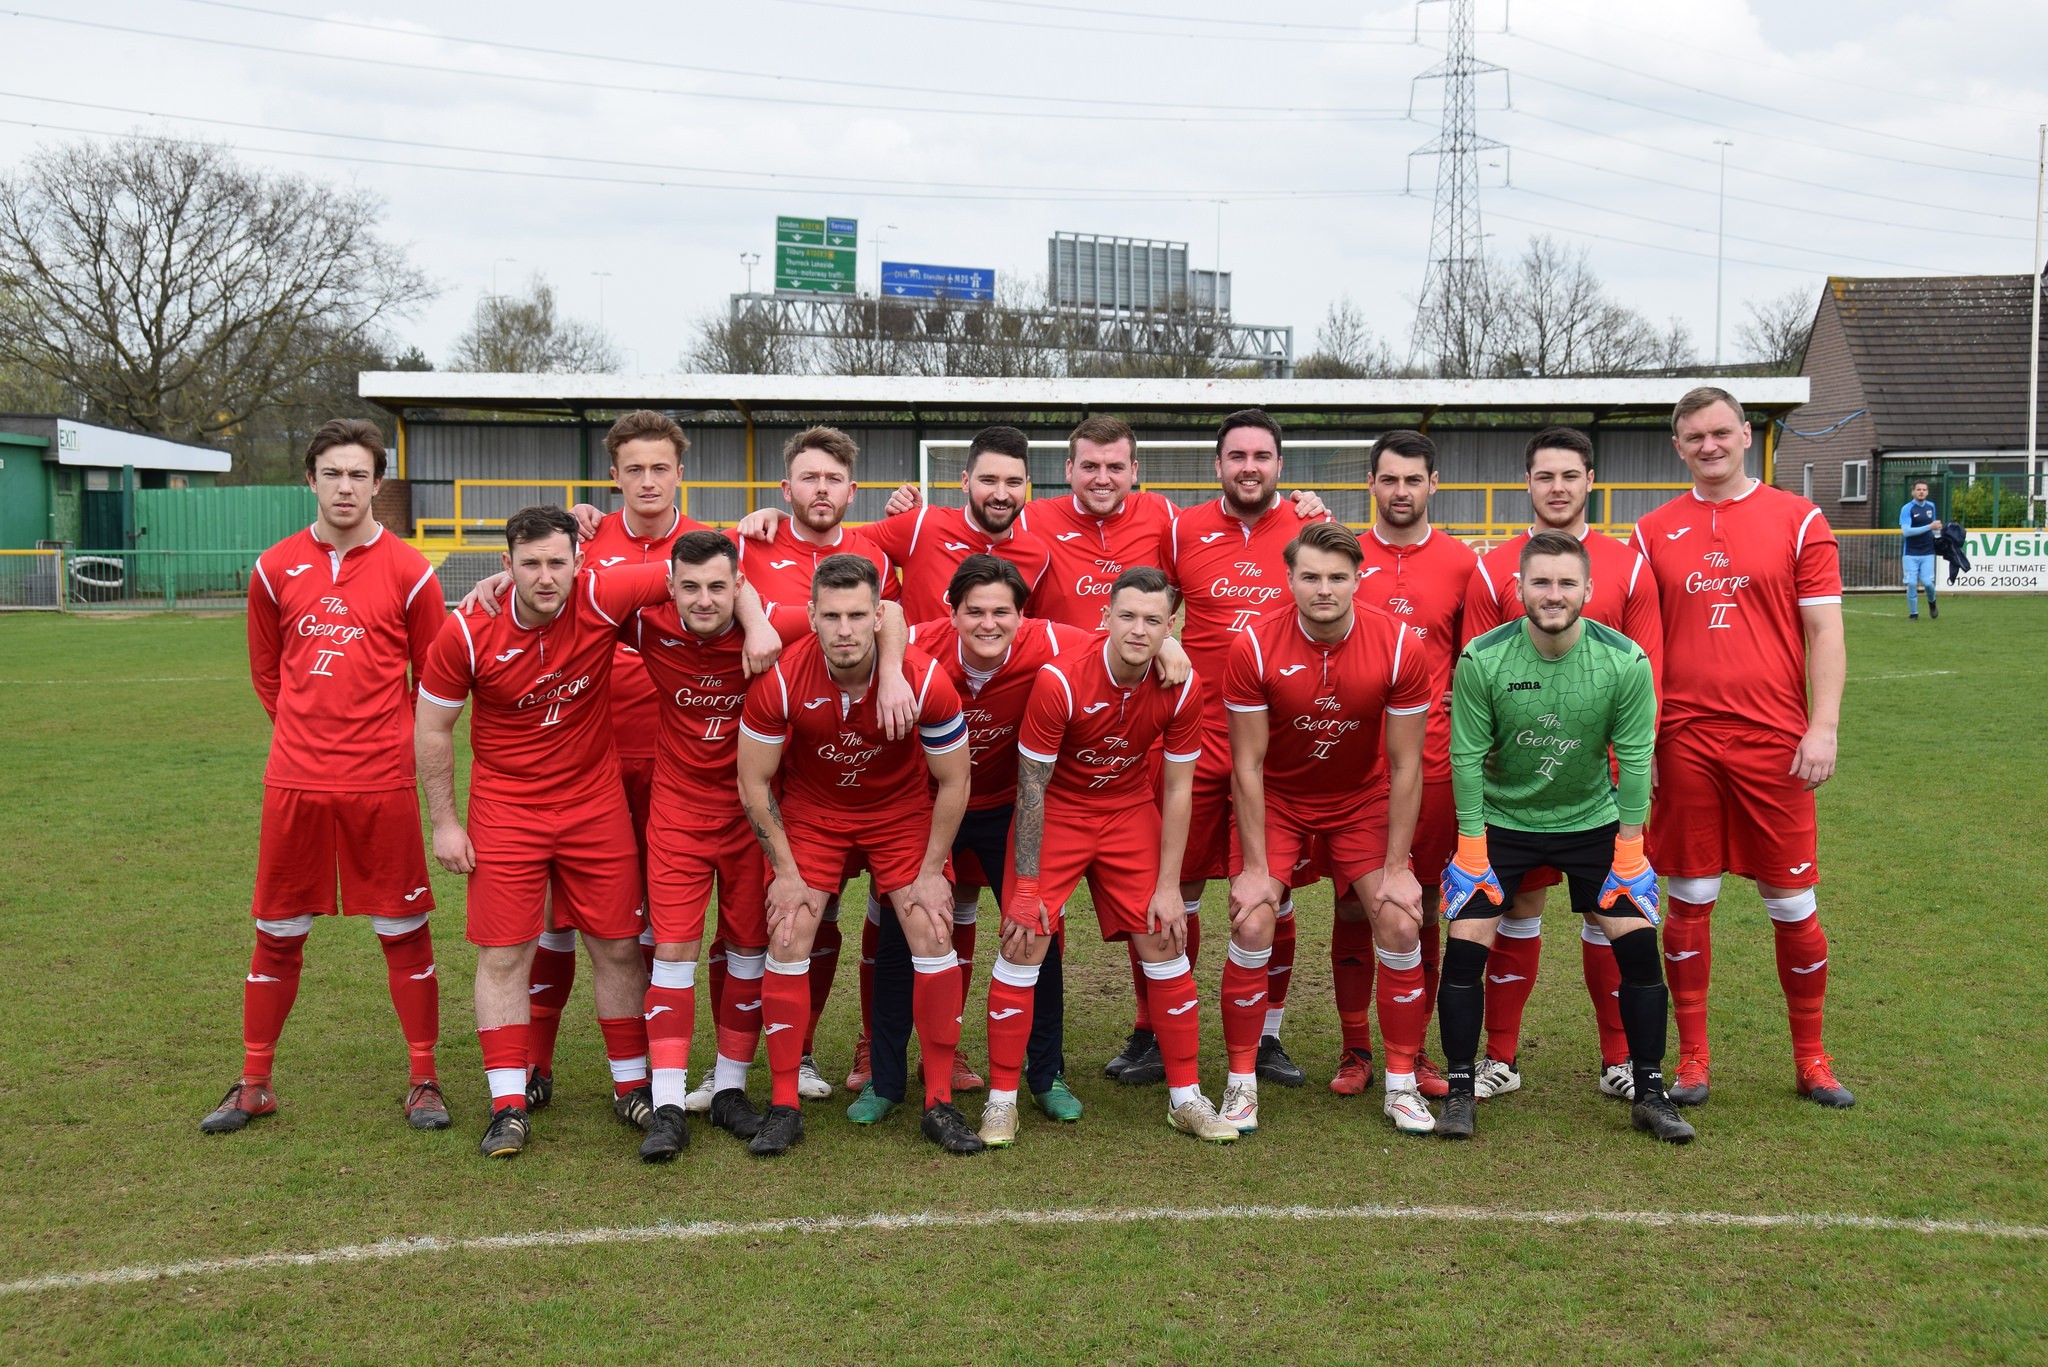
(330, 636)
(1731, 579)
(699, 687)
(837, 757)
(1099, 735)
(1323, 704)
(1424, 585)
(634, 712)
(780, 569)
(1086, 553)
(541, 730)
(994, 705)
(929, 543)
(1624, 593)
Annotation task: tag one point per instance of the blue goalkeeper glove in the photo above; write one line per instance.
(1632, 878)
(1469, 873)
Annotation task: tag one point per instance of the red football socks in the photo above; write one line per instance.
(935, 1010)
(416, 993)
(1176, 1019)
(670, 1014)
(269, 990)
(1603, 985)
(1404, 1014)
(785, 1007)
(1802, 949)
(554, 974)
(1510, 978)
(625, 1048)
(824, 967)
(1244, 1006)
(1689, 967)
(1010, 1007)
(505, 1052)
(1280, 968)
(738, 1008)
(1351, 965)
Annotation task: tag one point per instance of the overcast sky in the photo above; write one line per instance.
(656, 143)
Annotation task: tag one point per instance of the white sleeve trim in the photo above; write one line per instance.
(1065, 688)
(1258, 655)
(1799, 545)
(1400, 639)
(1032, 754)
(440, 702)
(1186, 688)
(930, 669)
(410, 596)
(469, 641)
(266, 581)
(1189, 758)
(1819, 602)
(1244, 707)
(591, 592)
(1406, 711)
(747, 730)
(1487, 579)
(1635, 572)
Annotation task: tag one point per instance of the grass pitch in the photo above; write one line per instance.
(134, 750)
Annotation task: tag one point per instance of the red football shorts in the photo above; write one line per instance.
(638, 774)
(682, 861)
(1436, 832)
(1726, 802)
(830, 847)
(1302, 849)
(1117, 852)
(584, 852)
(371, 841)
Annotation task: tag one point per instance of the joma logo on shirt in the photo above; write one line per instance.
(1525, 686)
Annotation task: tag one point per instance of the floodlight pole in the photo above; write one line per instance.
(2034, 337)
(1720, 226)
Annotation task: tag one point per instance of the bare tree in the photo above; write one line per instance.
(170, 289)
(744, 344)
(524, 334)
(1777, 330)
(1346, 348)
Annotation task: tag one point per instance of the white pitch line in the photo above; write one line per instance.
(703, 1230)
(1913, 674)
(176, 678)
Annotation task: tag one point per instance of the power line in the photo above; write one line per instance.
(1091, 29)
(390, 64)
(1768, 175)
(1084, 197)
(1768, 108)
(1191, 18)
(1170, 194)
(1772, 135)
(1575, 231)
(1767, 203)
(1754, 241)
(774, 76)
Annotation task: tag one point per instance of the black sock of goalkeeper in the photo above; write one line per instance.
(1461, 1010)
(1645, 1008)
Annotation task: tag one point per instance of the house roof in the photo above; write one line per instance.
(1942, 360)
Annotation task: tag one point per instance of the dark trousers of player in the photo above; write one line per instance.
(1584, 858)
(987, 834)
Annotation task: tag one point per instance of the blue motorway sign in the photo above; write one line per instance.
(907, 280)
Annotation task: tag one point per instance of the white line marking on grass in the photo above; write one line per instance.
(176, 678)
(1913, 674)
(701, 1230)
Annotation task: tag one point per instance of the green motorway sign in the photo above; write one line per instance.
(815, 255)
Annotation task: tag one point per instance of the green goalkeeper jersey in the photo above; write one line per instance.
(1529, 735)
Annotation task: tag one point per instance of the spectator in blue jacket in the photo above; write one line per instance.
(1919, 522)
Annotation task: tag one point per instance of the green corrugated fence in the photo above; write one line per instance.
(249, 517)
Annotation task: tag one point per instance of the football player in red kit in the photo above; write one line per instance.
(1559, 464)
(1750, 581)
(847, 790)
(1419, 575)
(1225, 557)
(1328, 705)
(337, 613)
(694, 654)
(547, 812)
(1089, 805)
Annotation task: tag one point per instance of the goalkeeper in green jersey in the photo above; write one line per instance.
(1535, 706)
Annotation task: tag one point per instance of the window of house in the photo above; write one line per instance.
(1806, 481)
(1855, 481)
(177, 481)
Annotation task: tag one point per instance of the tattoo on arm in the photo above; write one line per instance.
(1031, 777)
(762, 829)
